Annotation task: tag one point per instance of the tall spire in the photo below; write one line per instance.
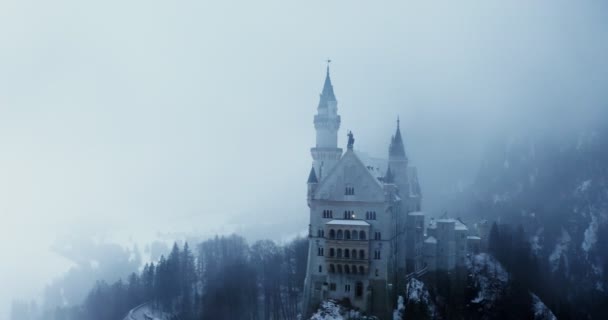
(396, 148)
(328, 89)
(325, 153)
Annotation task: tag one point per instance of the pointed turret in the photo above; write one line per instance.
(396, 149)
(389, 177)
(312, 183)
(312, 176)
(327, 95)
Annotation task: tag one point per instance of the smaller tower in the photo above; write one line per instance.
(312, 183)
(397, 161)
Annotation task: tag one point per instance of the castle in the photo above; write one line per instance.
(366, 230)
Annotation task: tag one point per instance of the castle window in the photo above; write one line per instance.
(332, 252)
(359, 289)
(347, 234)
(346, 269)
(332, 234)
(377, 254)
(361, 254)
(354, 254)
(349, 191)
(376, 272)
(355, 235)
(340, 234)
(320, 268)
(361, 235)
(339, 253)
(328, 214)
(320, 251)
(377, 236)
(354, 269)
(370, 215)
(346, 253)
(339, 268)
(332, 269)
(347, 288)
(361, 270)
(349, 214)
(332, 286)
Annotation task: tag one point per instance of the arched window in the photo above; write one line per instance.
(346, 269)
(339, 253)
(362, 235)
(347, 234)
(361, 270)
(361, 254)
(355, 235)
(340, 235)
(346, 253)
(339, 268)
(332, 252)
(332, 268)
(354, 269)
(332, 234)
(354, 254)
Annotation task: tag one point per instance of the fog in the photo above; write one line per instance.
(127, 122)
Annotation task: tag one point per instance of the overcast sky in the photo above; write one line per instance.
(121, 119)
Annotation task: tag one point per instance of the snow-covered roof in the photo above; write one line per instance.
(416, 213)
(473, 238)
(460, 226)
(430, 239)
(376, 166)
(348, 222)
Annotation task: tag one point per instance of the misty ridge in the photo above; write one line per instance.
(544, 194)
(327, 160)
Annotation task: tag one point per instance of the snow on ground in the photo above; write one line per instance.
(590, 234)
(541, 311)
(560, 248)
(416, 292)
(489, 275)
(145, 312)
(331, 310)
(535, 241)
(398, 313)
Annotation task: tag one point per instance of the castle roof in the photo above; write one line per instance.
(312, 176)
(327, 94)
(396, 149)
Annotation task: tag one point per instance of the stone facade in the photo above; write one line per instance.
(366, 228)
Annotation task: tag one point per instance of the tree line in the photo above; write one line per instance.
(222, 278)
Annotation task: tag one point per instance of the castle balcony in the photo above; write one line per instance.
(347, 232)
(347, 267)
(346, 260)
(347, 243)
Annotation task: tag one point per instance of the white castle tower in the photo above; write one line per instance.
(326, 153)
(360, 208)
